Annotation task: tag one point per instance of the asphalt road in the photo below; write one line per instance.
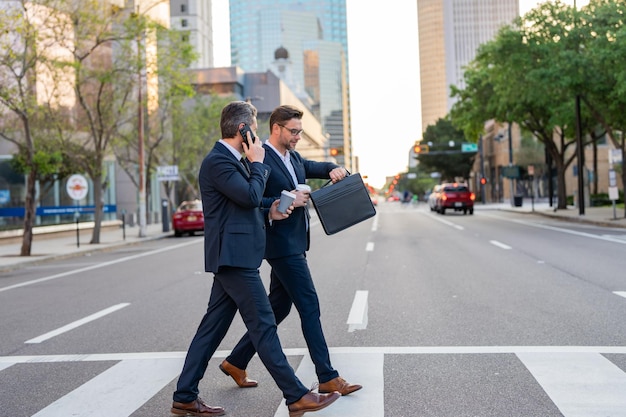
(495, 314)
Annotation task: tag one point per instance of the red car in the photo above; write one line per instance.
(454, 196)
(188, 218)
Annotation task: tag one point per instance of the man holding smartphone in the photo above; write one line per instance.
(234, 244)
(287, 243)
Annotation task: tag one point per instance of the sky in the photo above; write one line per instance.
(384, 79)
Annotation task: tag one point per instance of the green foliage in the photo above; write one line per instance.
(440, 158)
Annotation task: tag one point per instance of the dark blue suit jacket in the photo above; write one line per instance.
(289, 236)
(234, 220)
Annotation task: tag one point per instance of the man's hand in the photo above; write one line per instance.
(277, 215)
(338, 174)
(255, 152)
(302, 198)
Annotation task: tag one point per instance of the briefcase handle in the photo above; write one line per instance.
(329, 181)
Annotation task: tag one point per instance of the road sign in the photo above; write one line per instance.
(167, 173)
(469, 147)
(77, 187)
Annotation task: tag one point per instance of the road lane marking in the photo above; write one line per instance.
(365, 368)
(500, 244)
(101, 265)
(77, 323)
(357, 319)
(446, 222)
(387, 350)
(375, 224)
(558, 229)
(579, 384)
(118, 391)
(620, 293)
(369, 247)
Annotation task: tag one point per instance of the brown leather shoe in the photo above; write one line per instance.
(312, 402)
(340, 385)
(238, 375)
(196, 408)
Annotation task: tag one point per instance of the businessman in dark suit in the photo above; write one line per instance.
(234, 243)
(287, 243)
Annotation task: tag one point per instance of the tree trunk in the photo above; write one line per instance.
(29, 214)
(99, 207)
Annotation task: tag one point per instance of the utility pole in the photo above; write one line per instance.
(140, 130)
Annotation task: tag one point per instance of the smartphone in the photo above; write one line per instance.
(243, 131)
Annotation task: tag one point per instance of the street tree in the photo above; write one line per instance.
(523, 76)
(444, 155)
(33, 93)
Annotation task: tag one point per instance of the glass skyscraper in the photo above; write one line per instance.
(314, 33)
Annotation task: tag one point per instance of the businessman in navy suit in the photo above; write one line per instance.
(234, 244)
(287, 243)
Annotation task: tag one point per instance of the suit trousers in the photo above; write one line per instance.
(291, 281)
(238, 288)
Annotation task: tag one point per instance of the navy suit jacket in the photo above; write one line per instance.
(289, 236)
(234, 220)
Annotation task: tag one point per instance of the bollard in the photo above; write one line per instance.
(165, 215)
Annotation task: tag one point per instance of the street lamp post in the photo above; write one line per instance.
(511, 161)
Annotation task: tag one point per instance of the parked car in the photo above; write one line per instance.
(188, 218)
(432, 197)
(454, 196)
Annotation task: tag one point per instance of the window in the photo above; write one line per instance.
(183, 8)
(184, 23)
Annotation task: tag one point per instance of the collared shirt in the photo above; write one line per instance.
(286, 160)
(234, 151)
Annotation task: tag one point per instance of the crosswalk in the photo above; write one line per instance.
(580, 381)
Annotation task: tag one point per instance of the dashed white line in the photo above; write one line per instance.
(500, 245)
(357, 319)
(77, 323)
(620, 293)
(375, 224)
(100, 265)
(369, 247)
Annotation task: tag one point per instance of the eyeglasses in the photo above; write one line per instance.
(294, 132)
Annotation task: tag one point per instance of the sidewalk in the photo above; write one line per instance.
(599, 216)
(64, 245)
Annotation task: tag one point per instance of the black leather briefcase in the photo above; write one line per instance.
(343, 204)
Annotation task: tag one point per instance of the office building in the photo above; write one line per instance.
(193, 19)
(305, 44)
(450, 32)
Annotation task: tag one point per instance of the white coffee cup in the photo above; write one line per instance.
(286, 198)
(303, 187)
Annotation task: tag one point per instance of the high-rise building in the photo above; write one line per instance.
(450, 32)
(193, 19)
(304, 42)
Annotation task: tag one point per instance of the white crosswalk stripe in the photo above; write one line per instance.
(580, 384)
(371, 403)
(579, 380)
(118, 391)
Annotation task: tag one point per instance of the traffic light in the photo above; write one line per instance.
(420, 149)
(336, 151)
(483, 181)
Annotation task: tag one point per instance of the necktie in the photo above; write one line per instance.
(245, 165)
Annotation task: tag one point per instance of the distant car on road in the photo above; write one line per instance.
(374, 198)
(188, 218)
(454, 196)
(432, 197)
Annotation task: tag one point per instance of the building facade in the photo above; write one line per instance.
(450, 32)
(193, 18)
(314, 34)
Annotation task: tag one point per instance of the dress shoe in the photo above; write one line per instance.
(196, 408)
(312, 401)
(340, 385)
(238, 375)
